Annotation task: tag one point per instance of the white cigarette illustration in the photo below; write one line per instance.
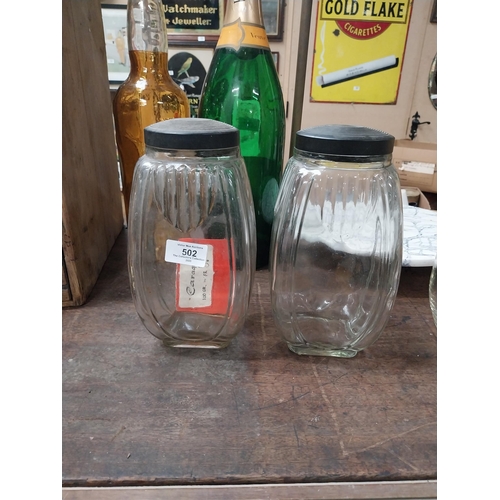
(364, 69)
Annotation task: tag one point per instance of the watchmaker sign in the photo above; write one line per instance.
(200, 15)
(359, 49)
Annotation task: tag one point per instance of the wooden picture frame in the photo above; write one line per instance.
(190, 29)
(114, 20)
(273, 12)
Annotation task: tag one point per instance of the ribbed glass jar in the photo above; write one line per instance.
(337, 241)
(191, 241)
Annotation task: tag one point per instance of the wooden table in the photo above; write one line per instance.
(254, 420)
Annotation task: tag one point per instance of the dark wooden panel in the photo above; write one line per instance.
(136, 413)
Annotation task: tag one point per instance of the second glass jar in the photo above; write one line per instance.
(337, 241)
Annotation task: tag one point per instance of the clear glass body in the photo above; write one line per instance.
(242, 89)
(198, 198)
(336, 253)
(148, 95)
(433, 292)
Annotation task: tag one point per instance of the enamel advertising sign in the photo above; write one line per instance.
(359, 49)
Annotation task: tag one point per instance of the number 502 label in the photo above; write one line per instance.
(181, 252)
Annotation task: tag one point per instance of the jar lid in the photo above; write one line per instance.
(344, 140)
(191, 133)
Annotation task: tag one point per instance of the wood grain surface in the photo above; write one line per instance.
(136, 413)
(380, 490)
(92, 214)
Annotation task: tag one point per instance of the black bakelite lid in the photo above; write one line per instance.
(191, 133)
(344, 140)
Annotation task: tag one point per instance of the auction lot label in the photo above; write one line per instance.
(359, 49)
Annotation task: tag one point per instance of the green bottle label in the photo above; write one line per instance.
(238, 34)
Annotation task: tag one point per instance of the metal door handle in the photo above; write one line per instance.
(414, 125)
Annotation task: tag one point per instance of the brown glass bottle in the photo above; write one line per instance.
(148, 95)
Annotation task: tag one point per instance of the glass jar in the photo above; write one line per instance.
(191, 236)
(336, 241)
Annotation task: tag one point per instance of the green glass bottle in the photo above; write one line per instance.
(242, 89)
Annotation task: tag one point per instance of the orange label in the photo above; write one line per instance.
(238, 34)
(205, 289)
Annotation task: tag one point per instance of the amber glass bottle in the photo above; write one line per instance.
(148, 95)
(242, 88)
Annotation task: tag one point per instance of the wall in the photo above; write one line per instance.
(395, 119)
(295, 69)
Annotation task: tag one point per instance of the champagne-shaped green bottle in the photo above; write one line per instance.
(242, 88)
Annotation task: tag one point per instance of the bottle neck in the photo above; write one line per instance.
(247, 11)
(243, 26)
(146, 29)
